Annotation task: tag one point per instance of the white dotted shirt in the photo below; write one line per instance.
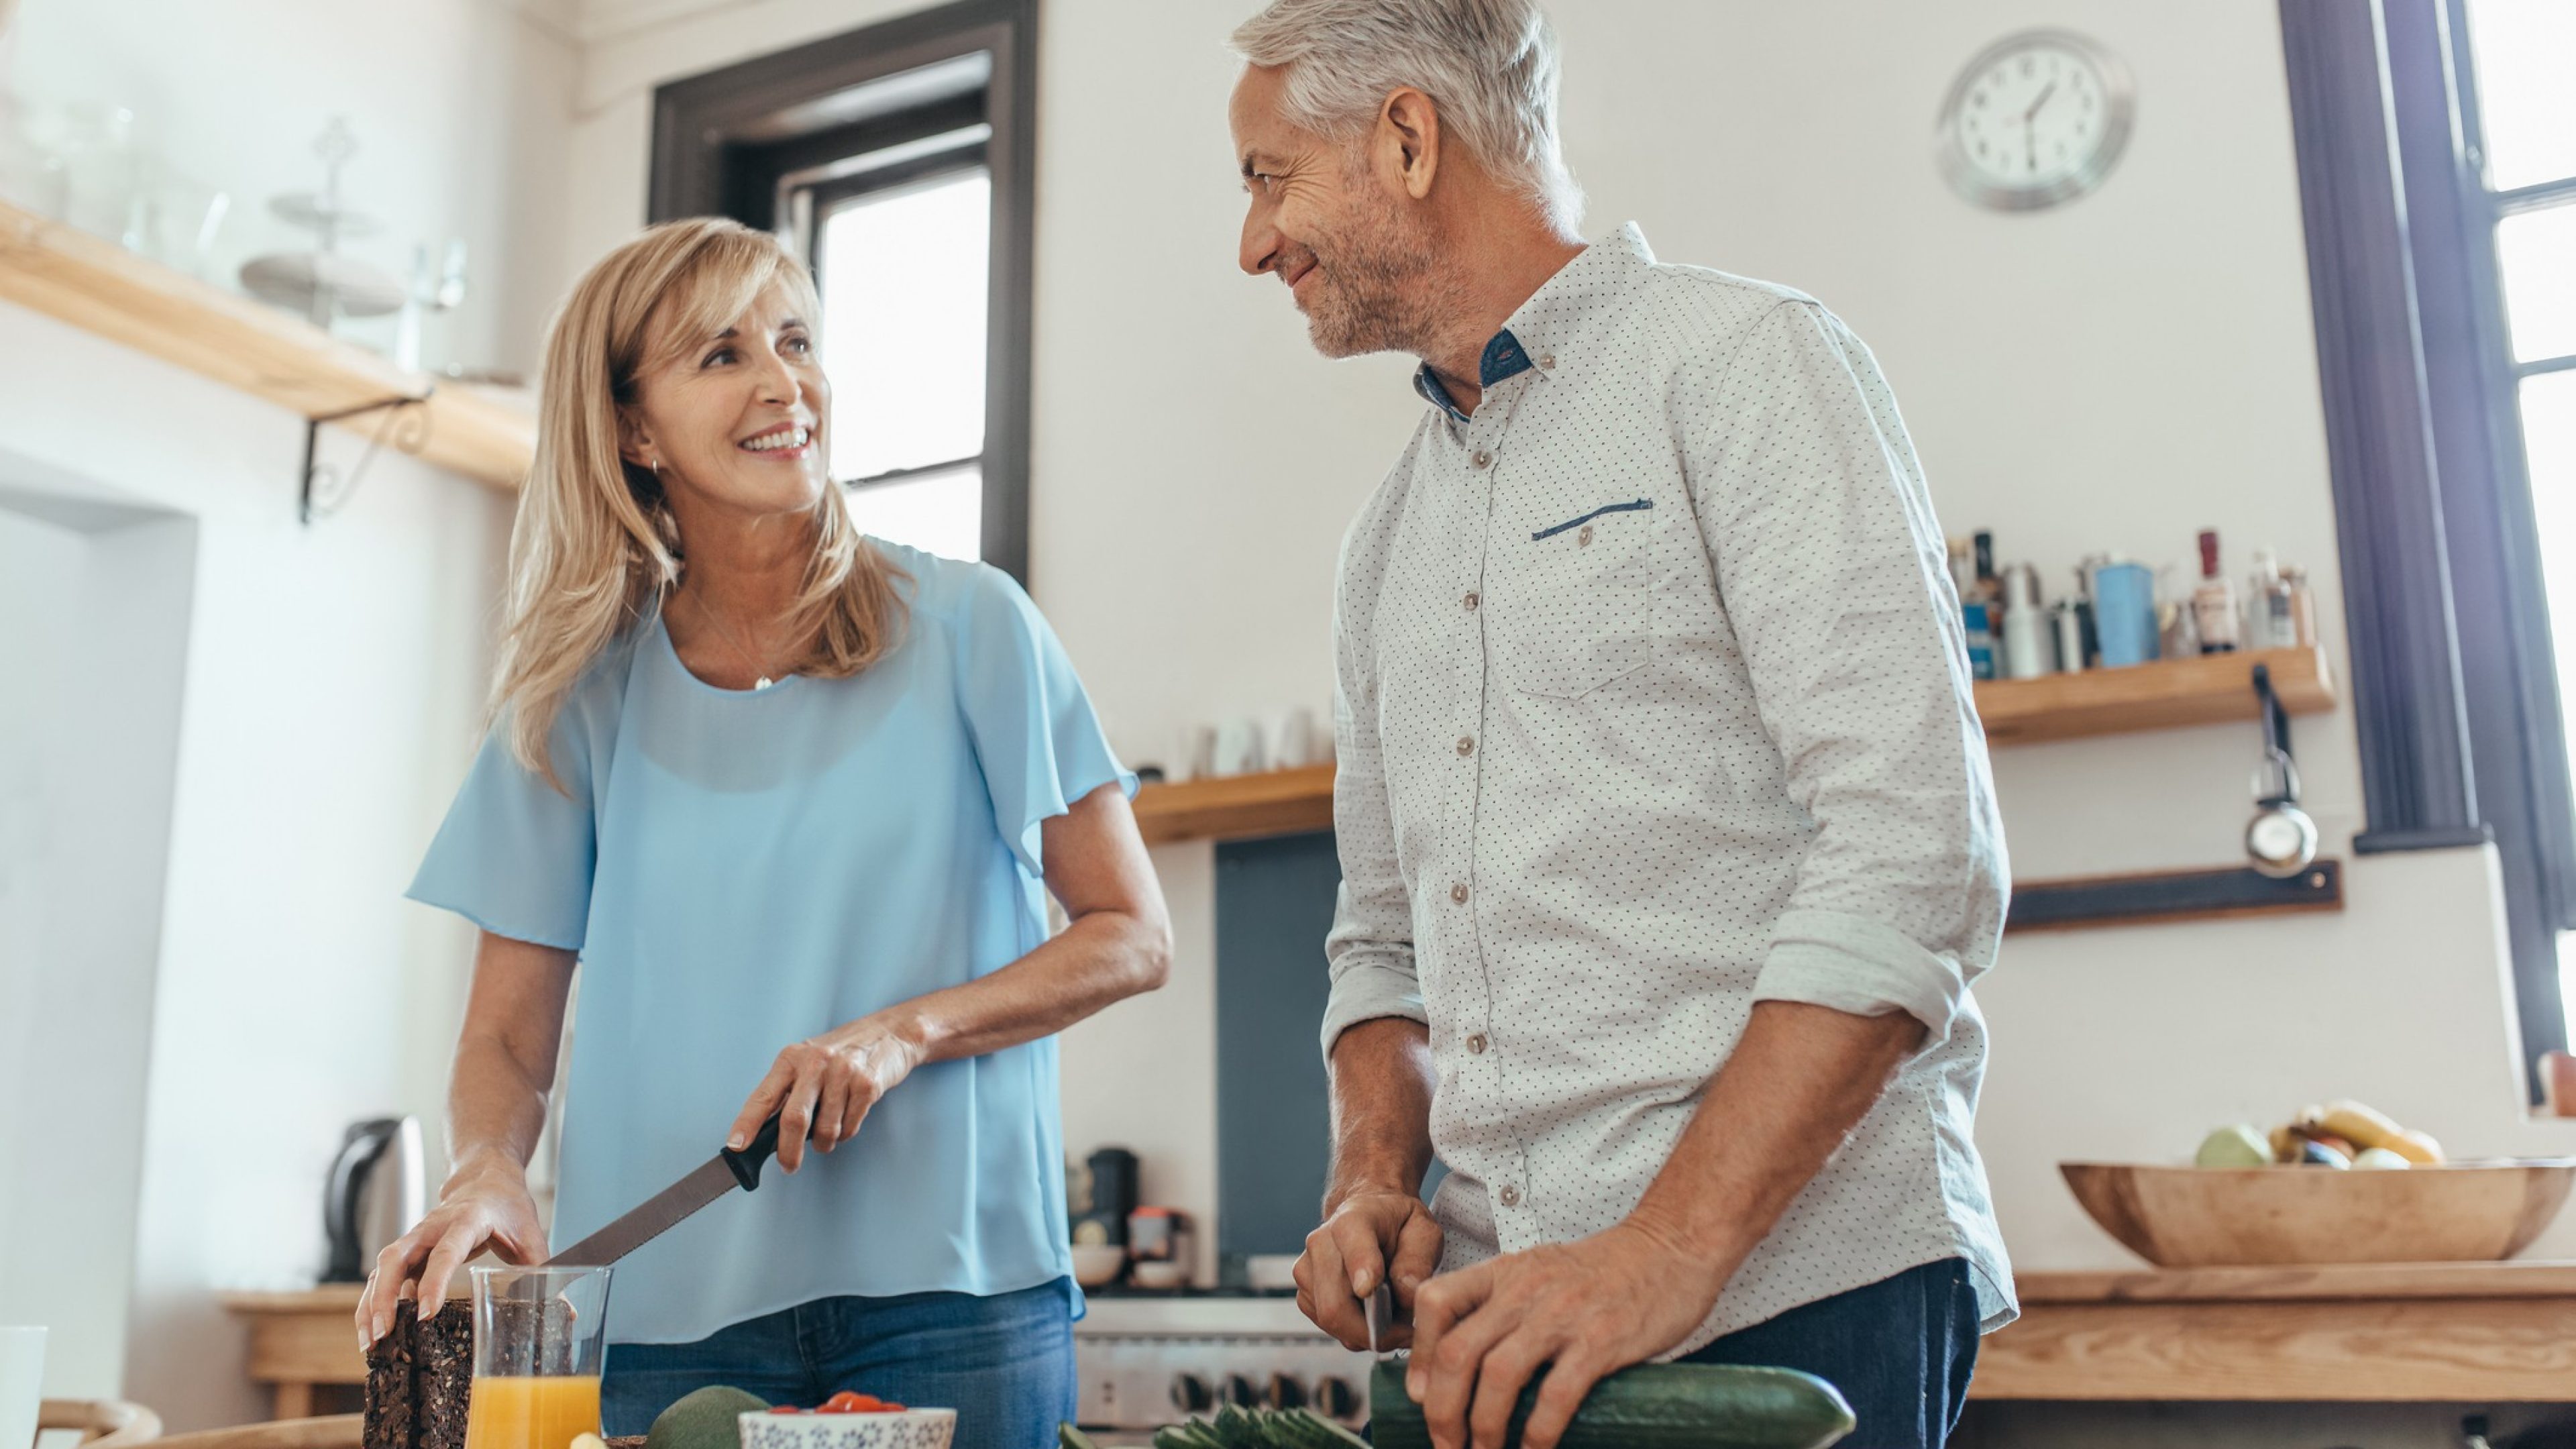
(1653, 703)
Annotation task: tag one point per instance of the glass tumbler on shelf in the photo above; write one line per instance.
(540, 1335)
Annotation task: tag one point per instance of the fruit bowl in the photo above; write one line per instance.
(2201, 1217)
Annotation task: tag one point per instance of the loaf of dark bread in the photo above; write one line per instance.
(389, 1385)
(420, 1380)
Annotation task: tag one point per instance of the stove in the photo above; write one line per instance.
(1146, 1362)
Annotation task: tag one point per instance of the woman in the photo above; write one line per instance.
(790, 794)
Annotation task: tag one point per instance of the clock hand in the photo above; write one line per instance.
(2045, 92)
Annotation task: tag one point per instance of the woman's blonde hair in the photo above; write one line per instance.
(596, 545)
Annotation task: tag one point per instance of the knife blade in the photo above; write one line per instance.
(662, 1211)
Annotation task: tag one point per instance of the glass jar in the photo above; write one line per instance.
(540, 1337)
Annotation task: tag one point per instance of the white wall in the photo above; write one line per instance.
(459, 108)
(329, 687)
(99, 596)
(333, 675)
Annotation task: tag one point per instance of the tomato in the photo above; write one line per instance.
(787, 1409)
(890, 1408)
(846, 1402)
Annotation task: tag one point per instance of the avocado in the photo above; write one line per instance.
(707, 1419)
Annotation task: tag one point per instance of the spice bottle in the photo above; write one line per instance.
(2213, 604)
(2271, 619)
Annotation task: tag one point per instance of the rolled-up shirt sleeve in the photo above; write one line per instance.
(1369, 951)
(1834, 574)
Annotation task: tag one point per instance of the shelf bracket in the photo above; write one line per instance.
(323, 489)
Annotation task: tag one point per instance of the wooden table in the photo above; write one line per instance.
(298, 1340)
(2405, 1332)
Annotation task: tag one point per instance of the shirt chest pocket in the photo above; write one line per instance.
(1580, 606)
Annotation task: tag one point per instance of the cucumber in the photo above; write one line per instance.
(1653, 1406)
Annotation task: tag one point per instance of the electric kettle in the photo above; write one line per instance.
(375, 1195)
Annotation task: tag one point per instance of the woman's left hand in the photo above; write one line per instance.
(822, 1087)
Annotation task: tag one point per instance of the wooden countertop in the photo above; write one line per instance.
(2393, 1332)
(2312, 1284)
(2386, 1333)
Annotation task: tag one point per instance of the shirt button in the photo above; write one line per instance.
(1583, 537)
(1458, 893)
(1510, 1195)
(1476, 1044)
(1471, 601)
(1547, 362)
(1466, 744)
(1484, 459)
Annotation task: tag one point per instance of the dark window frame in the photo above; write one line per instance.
(706, 126)
(2444, 599)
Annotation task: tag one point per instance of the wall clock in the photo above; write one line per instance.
(2037, 118)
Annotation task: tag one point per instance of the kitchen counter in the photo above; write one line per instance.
(2398, 1332)
(301, 1339)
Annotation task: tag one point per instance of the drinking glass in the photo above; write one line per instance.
(540, 1335)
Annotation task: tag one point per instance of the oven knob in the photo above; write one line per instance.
(1286, 1393)
(1335, 1398)
(1239, 1391)
(1190, 1394)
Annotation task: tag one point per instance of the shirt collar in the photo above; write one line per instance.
(1554, 317)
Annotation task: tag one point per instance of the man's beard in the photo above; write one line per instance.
(1381, 288)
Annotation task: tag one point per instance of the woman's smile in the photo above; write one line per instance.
(786, 440)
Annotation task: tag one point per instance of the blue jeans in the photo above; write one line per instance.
(1900, 1349)
(1004, 1363)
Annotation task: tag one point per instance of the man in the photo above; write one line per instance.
(1669, 848)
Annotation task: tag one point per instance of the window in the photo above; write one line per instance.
(2438, 269)
(2518, 153)
(894, 159)
(903, 269)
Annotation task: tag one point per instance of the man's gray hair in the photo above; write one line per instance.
(1489, 66)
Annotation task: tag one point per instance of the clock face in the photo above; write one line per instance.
(2036, 119)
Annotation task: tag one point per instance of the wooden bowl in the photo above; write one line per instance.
(2198, 1217)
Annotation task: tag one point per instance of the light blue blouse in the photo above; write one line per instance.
(742, 870)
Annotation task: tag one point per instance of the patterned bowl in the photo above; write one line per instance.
(911, 1429)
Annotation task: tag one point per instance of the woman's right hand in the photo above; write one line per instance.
(486, 1207)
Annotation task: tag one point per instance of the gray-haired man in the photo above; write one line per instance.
(1668, 845)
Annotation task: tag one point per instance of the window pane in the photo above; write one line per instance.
(2537, 250)
(2525, 53)
(904, 282)
(942, 512)
(2549, 440)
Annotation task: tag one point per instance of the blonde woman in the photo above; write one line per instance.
(792, 795)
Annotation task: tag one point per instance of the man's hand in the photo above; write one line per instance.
(1368, 1237)
(1589, 1308)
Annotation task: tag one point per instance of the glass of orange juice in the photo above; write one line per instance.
(540, 1335)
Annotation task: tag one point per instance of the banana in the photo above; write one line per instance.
(2366, 1127)
(2417, 1147)
(2361, 1125)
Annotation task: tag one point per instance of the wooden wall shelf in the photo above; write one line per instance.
(2167, 694)
(2164, 695)
(100, 287)
(1237, 807)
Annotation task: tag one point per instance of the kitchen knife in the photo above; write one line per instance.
(722, 1173)
(1380, 1308)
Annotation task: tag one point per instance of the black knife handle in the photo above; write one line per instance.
(747, 1163)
